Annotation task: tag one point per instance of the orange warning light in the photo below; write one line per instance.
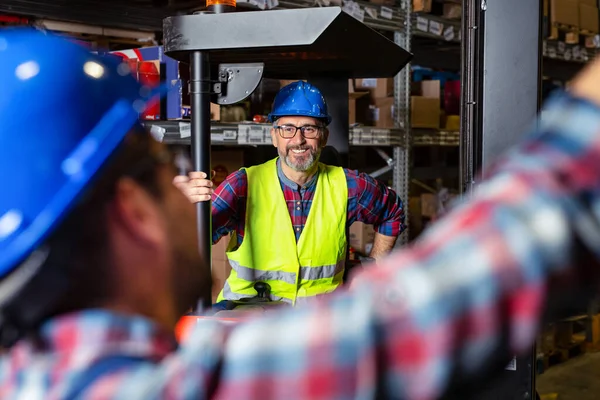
(213, 3)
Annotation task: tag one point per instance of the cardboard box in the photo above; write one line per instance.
(429, 89)
(425, 112)
(425, 105)
(588, 18)
(422, 5)
(383, 112)
(452, 11)
(378, 87)
(361, 237)
(429, 205)
(593, 3)
(225, 162)
(215, 112)
(564, 12)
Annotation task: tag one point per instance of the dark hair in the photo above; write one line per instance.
(76, 273)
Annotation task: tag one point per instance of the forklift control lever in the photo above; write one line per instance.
(263, 290)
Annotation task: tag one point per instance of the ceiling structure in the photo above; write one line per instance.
(144, 15)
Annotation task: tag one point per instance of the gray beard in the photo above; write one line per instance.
(301, 166)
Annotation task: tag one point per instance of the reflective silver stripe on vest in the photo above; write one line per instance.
(326, 271)
(254, 275)
(229, 294)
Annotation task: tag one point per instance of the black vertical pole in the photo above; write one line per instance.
(200, 138)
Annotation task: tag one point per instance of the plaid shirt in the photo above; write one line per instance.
(369, 201)
(470, 292)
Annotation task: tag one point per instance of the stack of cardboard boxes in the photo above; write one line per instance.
(451, 9)
(588, 16)
(371, 103)
(425, 105)
(427, 110)
(581, 16)
(380, 92)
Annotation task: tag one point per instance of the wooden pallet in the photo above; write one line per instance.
(561, 354)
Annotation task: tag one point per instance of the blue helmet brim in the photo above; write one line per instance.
(272, 117)
(80, 167)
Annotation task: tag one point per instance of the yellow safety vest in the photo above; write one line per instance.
(269, 252)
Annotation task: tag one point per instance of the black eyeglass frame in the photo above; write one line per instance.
(302, 129)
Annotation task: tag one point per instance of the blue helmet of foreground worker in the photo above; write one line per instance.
(300, 99)
(63, 111)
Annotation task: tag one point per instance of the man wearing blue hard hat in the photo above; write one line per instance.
(291, 214)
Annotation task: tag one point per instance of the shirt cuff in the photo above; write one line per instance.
(394, 228)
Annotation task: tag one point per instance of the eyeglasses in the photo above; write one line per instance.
(307, 131)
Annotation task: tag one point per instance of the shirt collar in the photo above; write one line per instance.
(104, 330)
(291, 184)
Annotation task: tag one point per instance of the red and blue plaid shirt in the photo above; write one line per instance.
(369, 201)
(469, 293)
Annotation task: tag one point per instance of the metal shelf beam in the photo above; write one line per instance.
(253, 134)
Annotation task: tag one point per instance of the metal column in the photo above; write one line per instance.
(200, 138)
(500, 98)
(501, 78)
(401, 178)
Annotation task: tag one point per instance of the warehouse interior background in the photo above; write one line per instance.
(405, 130)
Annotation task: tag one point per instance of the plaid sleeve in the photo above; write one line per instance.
(371, 202)
(228, 204)
(461, 300)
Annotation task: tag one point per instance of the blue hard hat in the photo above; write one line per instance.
(63, 111)
(299, 99)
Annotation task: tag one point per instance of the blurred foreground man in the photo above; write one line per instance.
(98, 258)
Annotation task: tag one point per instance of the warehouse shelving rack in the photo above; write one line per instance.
(405, 26)
(397, 21)
(409, 29)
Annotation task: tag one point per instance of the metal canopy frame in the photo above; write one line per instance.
(331, 45)
(293, 44)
